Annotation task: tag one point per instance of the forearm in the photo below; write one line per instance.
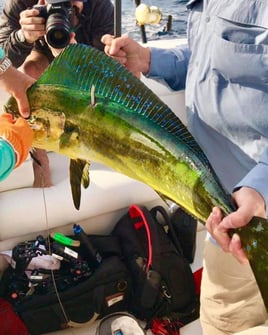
(7, 80)
(170, 65)
(35, 64)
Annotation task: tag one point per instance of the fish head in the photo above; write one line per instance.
(48, 125)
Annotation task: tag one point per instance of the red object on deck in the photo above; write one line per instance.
(10, 323)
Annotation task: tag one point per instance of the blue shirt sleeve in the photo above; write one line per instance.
(257, 177)
(173, 69)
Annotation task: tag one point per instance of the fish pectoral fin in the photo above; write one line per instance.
(79, 175)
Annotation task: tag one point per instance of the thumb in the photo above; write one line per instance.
(41, 2)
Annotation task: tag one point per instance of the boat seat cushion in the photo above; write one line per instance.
(25, 210)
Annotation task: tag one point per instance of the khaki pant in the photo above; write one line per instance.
(230, 299)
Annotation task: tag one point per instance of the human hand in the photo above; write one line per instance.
(128, 52)
(32, 25)
(16, 83)
(18, 133)
(249, 203)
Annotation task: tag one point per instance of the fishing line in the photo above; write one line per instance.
(50, 252)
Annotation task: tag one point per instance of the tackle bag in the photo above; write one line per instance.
(72, 296)
(163, 283)
(184, 232)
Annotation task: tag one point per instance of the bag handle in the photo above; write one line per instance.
(140, 216)
(140, 212)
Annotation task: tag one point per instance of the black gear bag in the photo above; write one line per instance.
(73, 296)
(163, 283)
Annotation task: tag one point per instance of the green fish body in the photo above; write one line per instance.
(89, 107)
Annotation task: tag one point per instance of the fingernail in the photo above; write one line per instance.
(214, 210)
(236, 238)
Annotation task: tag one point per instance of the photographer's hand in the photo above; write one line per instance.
(32, 26)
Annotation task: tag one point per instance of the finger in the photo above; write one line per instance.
(30, 13)
(236, 249)
(24, 108)
(227, 223)
(32, 23)
(33, 28)
(213, 219)
(119, 57)
(115, 48)
(219, 234)
(115, 51)
(107, 39)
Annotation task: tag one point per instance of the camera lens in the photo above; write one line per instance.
(58, 29)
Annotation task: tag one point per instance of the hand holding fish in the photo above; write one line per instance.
(17, 91)
(249, 204)
(128, 53)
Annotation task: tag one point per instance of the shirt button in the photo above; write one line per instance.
(207, 19)
(265, 60)
(215, 79)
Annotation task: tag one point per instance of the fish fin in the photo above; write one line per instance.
(70, 134)
(87, 69)
(79, 175)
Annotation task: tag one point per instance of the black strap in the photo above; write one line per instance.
(141, 216)
(167, 222)
(145, 218)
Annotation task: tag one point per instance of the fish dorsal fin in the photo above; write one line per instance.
(79, 175)
(81, 67)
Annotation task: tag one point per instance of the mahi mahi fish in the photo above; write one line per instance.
(88, 107)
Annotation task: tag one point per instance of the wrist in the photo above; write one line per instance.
(22, 39)
(146, 60)
(5, 62)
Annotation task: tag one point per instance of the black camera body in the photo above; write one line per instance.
(58, 16)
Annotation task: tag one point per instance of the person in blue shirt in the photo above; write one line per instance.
(224, 71)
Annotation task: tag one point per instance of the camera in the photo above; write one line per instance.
(58, 16)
